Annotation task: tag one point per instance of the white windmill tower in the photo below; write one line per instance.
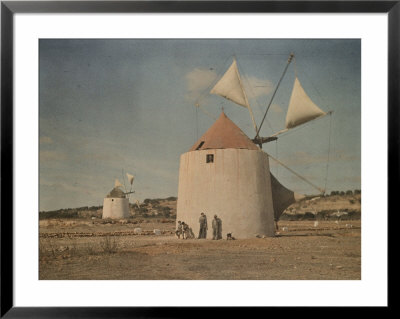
(116, 203)
(227, 174)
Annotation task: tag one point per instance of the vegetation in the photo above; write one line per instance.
(323, 215)
(109, 245)
(163, 208)
(148, 209)
(348, 192)
(59, 214)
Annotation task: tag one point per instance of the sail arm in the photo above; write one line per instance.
(317, 117)
(247, 101)
(273, 95)
(273, 137)
(288, 129)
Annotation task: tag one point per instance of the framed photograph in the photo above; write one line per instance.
(158, 155)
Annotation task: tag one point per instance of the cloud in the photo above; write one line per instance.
(197, 81)
(65, 187)
(45, 140)
(111, 157)
(47, 156)
(155, 168)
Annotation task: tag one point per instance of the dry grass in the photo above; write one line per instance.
(109, 245)
(329, 251)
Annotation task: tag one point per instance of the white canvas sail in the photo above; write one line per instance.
(230, 87)
(118, 183)
(130, 178)
(301, 108)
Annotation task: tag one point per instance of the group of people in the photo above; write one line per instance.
(186, 232)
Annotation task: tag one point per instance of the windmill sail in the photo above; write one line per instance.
(282, 197)
(130, 178)
(230, 87)
(301, 108)
(118, 183)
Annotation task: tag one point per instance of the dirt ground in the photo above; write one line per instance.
(86, 249)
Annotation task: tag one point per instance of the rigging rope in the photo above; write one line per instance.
(276, 154)
(297, 174)
(207, 90)
(254, 95)
(329, 150)
(197, 125)
(205, 112)
(328, 155)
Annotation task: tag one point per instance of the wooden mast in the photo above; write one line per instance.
(257, 139)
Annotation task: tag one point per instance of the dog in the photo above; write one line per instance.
(229, 236)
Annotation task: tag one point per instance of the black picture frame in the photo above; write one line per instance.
(9, 8)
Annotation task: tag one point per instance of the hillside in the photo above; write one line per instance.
(161, 207)
(326, 207)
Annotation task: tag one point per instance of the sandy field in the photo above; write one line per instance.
(88, 249)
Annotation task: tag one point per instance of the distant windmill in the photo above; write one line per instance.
(116, 203)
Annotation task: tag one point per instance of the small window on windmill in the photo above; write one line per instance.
(210, 158)
(200, 145)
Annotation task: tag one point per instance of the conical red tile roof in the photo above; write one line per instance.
(224, 134)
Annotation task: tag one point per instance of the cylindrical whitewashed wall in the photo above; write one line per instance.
(116, 208)
(236, 187)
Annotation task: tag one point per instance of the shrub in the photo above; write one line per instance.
(109, 245)
(308, 216)
(143, 210)
(58, 214)
(89, 249)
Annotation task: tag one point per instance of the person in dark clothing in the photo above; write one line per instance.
(217, 227)
(179, 230)
(203, 226)
(185, 228)
(219, 234)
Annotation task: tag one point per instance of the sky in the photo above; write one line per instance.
(109, 107)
